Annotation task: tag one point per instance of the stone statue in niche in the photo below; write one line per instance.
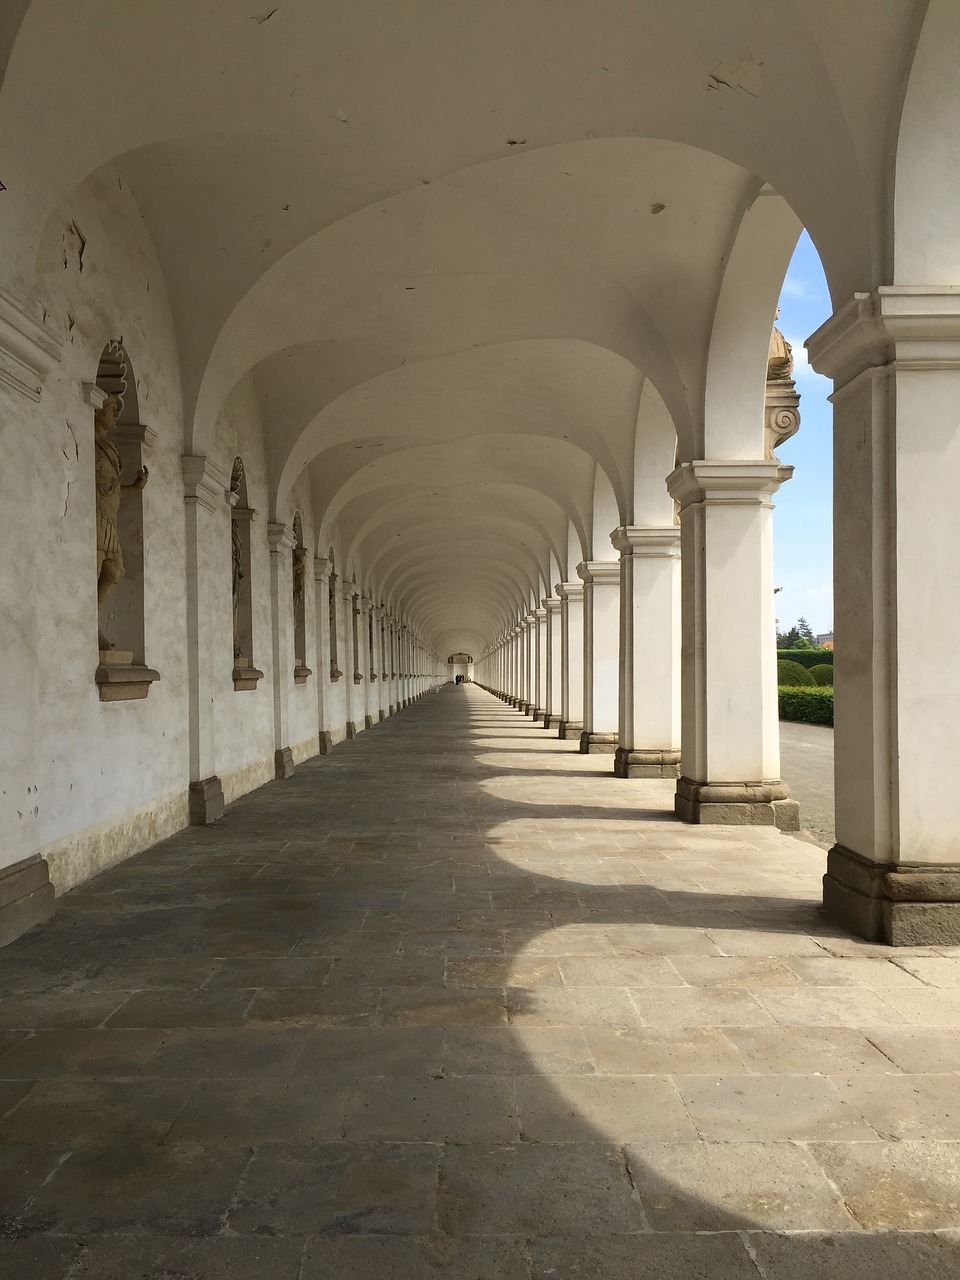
(781, 417)
(299, 575)
(236, 546)
(110, 491)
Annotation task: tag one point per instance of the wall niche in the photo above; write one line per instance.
(121, 444)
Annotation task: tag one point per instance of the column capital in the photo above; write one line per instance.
(908, 326)
(366, 603)
(281, 537)
(570, 590)
(540, 613)
(28, 348)
(600, 572)
(205, 483)
(647, 540)
(322, 569)
(551, 604)
(730, 481)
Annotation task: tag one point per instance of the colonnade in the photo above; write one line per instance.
(667, 661)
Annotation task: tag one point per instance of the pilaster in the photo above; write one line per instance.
(571, 660)
(601, 656)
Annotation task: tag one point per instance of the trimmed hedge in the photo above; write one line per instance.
(806, 657)
(793, 674)
(823, 673)
(807, 706)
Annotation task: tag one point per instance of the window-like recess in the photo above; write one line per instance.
(245, 674)
(120, 477)
(301, 672)
(332, 605)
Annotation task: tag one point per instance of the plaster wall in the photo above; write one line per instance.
(112, 777)
(243, 718)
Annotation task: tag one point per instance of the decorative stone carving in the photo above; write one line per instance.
(110, 491)
(781, 418)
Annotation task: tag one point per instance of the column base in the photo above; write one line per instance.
(646, 764)
(737, 804)
(351, 729)
(283, 763)
(393, 709)
(206, 802)
(381, 716)
(888, 902)
(326, 742)
(570, 730)
(598, 744)
(550, 722)
(368, 722)
(26, 897)
(538, 713)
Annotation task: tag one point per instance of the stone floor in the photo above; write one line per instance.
(453, 1002)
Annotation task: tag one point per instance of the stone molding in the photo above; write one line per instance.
(647, 540)
(895, 903)
(28, 349)
(281, 537)
(26, 897)
(552, 604)
(600, 572)
(727, 482)
(540, 614)
(321, 569)
(205, 483)
(739, 804)
(206, 801)
(907, 327)
(124, 682)
(570, 591)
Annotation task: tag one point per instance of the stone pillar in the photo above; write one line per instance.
(207, 497)
(601, 656)
(354, 675)
(554, 672)
(529, 663)
(321, 577)
(540, 666)
(29, 436)
(365, 649)
(282, 541)
(894, 355)
(380, 662)
(571, 660)
(649, 744)
(730, 758)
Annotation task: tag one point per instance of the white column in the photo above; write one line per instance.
(571, 660)
(370, 709)
(281, 541)
(321, 577)
(540, 666)
(207, 501)
(554, 672)
(730, 758)
(649, 745)
(894, 355)
(601, 656)
(352, 657)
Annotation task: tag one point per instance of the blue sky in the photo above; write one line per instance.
(803, 519)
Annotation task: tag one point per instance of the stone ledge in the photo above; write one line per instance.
(737, 804)
(26, 897)
(301, 674)
(646, 763)
(887, 902)
(124, 682)
(246, 678)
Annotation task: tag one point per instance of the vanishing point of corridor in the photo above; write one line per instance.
(455, 1002)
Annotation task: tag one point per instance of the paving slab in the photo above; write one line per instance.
(454, 1001)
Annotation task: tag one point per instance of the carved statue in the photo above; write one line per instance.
(236, 544)
(782, 404)
(779, 358)
(109, 493)
(299, 575)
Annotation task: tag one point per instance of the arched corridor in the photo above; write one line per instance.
(451, 1001)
